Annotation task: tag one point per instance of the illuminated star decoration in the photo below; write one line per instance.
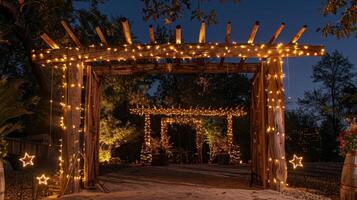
(27, 160)
(296, 161)
(42, 180)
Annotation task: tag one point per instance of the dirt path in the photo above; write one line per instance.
(180, 182)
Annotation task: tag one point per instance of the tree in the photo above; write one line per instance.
(11, 108)
(334, 99)
(346, 23)
(175, 9)
(302, 135)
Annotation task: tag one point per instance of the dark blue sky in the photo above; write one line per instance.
(295, 13)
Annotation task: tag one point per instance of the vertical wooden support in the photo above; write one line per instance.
(258, 135)
(101, 35)
(126, 31)
(202, 35)
(146, 150)
(91, 128)
(230, 135)
(298, 35)
(253, 33)
(178, 34)
(227, 38)
(274, 123)
(199, 139)
(151, 35)
(72, 120)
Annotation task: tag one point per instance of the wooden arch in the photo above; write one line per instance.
(187, 115)
(83, 67)
(194, 122)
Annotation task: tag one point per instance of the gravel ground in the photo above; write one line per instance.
(185, 182)
(19, 185)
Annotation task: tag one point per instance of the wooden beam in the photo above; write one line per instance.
(49, 41)
(151, 35)
(228, 32)
(253, 33)
(178, 34)
(227, 38)
(182, 68)
(70, 33)
(202, 35)
(126, 31)
(277, 33)
(183, 51)
(298, 35)
(101, 35)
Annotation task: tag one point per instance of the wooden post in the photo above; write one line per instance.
(146, 151)
(126, 31)
(274, 123)
(91, 128)
(72, 120)
(199, 139)
(178, 34)
(151, 35)
(258, 136)
(202, 34)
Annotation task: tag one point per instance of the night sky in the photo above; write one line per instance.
(295, 13)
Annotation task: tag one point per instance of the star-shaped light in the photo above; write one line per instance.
(42, 180)
(27, 160)
(296, 161)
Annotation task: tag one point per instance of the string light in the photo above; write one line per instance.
(296, 161)
(27, 160)
(42, 180)
(221, 112)
(132, 52)
(196, 123)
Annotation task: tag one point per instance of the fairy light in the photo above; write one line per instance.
(221, 112)
(126, 52)
(296, 161)
(27, 160)
(42, 180)
(194, 122)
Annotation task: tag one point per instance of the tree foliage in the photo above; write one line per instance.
(171, 10)
(334, 100)
(345, 24)
(11, 108)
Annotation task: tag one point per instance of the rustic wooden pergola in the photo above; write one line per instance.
(187, 115)
(95, 61)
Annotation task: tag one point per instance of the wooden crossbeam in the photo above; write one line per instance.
(101, 35)
(151, 35)
(277, 33)
(202, 35)
(253, 33)
(184, 51)
(298, 35)
(228, 32)
(228, 37)
(49, 41)
(178, 34)
(182, 68)
(126, 31)
(220, 112)
(70, 33)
